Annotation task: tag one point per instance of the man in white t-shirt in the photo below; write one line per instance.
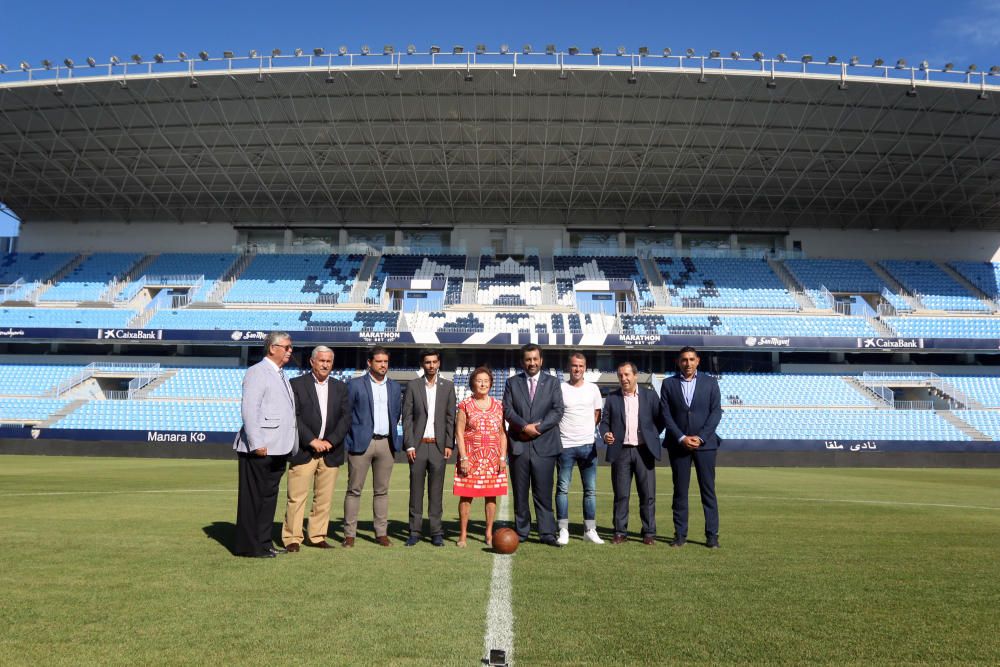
(576, 429)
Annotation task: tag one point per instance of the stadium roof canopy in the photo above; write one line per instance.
(578, 140)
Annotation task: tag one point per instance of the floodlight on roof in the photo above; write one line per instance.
(806, 59)
(504, 49)
(318, 51)
(410, 49)
(971, 68)
(275, 53)
(573, 50)
(994, 70)
(550, 49)
(948, 67)
(666, 51)
(298, 52)
(342, 50)
(159, 57)
(388, 50)
(114, 60)
(526, 49)
(901, 63)
(68, 63)
(831, 60)
(252, 53)
(46, 63)
(203, 55)
(136, 58)
(643, 50)
(3, 68)
(91, 61)
(620, 51)
(689, 53)
(435, 49)
(854, 61)
(25, 66)
(183, 56)
(714, 54)
(735, 55)
(480, 49)
(596, 50)
(924, 65)
(228, 55)
(758, 55)
(458, 49)
(878, 62)
(782, 57)
(365, 50)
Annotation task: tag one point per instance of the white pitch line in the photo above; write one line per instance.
(856, 501)
(111, 493)
(499, 609)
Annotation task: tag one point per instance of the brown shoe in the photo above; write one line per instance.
(348, 542)
(292, 548)
(618, 539)
(649, 540)
(383, 541)
(319, 545)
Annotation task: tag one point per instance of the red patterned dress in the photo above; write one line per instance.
(482, 447)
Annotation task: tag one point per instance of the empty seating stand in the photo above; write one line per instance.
(935, 288)
(295, 278)
(509, 282)
(724, 283)
(91, 278)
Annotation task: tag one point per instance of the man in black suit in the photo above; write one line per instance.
(322, 418)
(428, 436)
(630, 426)
(533, 407)
(692, 408)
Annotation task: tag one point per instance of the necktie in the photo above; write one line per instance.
(531, 389)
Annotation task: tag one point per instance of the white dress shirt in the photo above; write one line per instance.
(322, 395)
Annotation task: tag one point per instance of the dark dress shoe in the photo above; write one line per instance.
(550, 541)
(437, 541)
(412, 540)
(292, 548)
(266, 554)
(383, 541)
(618, 539)
(678, 542)
(279, 551)
(319, 545)
(712, 542)
(348, 542)
(649, 540)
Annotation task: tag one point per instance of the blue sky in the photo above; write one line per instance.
(962, 31)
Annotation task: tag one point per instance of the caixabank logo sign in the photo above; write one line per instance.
(891, 343)
(130, 334)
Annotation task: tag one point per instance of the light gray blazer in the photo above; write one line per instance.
(268, 410)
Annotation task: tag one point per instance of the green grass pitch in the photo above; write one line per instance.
(125, 561)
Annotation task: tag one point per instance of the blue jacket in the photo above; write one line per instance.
(359, 398)
(650, 422)
(701, 419)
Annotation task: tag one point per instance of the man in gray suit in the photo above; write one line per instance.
(533, 407)
(428, 435)
(263, 445)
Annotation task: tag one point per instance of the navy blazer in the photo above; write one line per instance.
(701, 419)
(650, 422)
(310, 419)
(546, 410)
(359, 398)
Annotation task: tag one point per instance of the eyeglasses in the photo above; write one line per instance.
(287, 347)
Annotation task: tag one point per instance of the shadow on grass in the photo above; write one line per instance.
(223, 532)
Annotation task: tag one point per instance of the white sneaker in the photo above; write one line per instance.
(592, 536)
(563, 538)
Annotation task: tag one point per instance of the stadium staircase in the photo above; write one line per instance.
(150, 387)
(661, 296)
(967, 284)
(470, 286)
(867, 392)
(225, 283)
(116, 286)
(64, 412)
(962, 426)
(793, 286)
(883, 329)
(895, 285)
(364, 281)
(56, 277)
(957, 395)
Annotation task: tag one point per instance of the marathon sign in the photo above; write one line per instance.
(891, 343)
(130, 334)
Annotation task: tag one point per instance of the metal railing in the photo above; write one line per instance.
(913, 405)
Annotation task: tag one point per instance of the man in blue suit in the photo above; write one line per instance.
(264, 443)
(372, 442)
(692, 408)
(630, 426)
(533, 407)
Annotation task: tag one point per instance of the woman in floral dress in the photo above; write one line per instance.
(482, 452)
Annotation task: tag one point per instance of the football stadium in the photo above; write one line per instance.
(825, 232)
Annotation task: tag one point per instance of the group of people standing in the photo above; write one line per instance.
(539, 432)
